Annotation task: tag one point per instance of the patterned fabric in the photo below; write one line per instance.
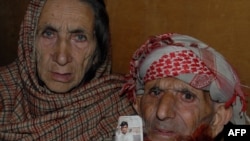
(29, 111)
(190, 60)
(180, 62)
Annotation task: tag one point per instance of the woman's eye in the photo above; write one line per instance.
(80, 37)
(187, 96)
(48, 34)
(155, 91)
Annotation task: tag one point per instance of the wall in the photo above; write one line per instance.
(11, 14)
(223, 24)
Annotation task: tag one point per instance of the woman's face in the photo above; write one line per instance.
(171, 108)
(65, 43)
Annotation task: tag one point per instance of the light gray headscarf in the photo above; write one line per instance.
(192, 61)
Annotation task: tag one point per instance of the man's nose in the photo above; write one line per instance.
(167, 106)
(62, 54)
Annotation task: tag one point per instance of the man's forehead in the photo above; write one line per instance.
(167, 82)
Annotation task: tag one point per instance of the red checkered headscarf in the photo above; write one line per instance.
(190, 60)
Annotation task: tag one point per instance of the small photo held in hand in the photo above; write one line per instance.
(129, 128)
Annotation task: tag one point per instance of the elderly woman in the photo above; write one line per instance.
(183, 89)
(60, 87)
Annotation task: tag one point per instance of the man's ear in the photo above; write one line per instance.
(137, 104)
(222, 117)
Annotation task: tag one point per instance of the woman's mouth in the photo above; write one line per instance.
(61, 77)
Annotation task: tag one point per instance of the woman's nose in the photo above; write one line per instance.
(62, 54)
(167, 106)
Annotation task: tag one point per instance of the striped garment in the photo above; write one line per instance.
(31, 112)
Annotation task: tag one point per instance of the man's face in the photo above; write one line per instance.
(124, 129)
(65, 43)
(171, 108)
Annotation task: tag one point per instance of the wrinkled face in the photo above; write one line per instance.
(65, 43)
(172, 108)
(124, 129)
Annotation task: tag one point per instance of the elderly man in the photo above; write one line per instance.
(60, 87)
(183, 89)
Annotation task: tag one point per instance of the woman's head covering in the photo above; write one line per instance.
(26, 46)
(190, 60)
(30, 111)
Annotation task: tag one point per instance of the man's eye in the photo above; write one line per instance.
(48, 34)
(186, 95)
(155, 91)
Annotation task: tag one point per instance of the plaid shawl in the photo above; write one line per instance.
(31, 112)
